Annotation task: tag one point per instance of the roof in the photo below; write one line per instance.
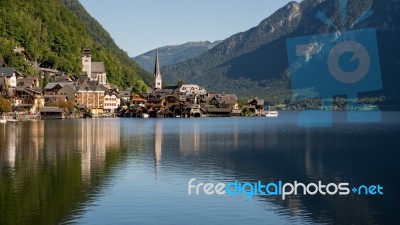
(100, 88)
(29, 91)
(218, 110)
(98, 67)
(51, 109)
(53, 84)
(90, 88)
(258, 101)
(154, 96)
(157, 65)
(82, 79)
(92, 83)
(72, 87)
(125, 93)
(229, 99)
(62, 78)
(27, 81)
(7, 71)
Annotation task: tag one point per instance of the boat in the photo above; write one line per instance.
(3, 119)
(145, 115)
(273, 113)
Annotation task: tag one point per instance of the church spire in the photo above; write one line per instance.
(157, 74)
(157, 65)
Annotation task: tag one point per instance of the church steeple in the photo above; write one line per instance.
(157, 74)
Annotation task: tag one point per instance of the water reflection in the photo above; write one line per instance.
(49, 168)
(158, 139)
(136, 171)
(189, 137)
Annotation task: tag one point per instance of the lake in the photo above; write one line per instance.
(137, 171)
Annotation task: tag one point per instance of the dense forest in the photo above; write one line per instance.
(54, 36)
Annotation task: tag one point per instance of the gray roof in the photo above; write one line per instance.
(82, 79)
(100, 88)
(72, 87)
(98, 67)
(92, 83)
(89, 88)
(29, 91)
(51, 109)
(53, 84)
(26, 82)
(7, 71)
(60, 79)
(258, 101)
(224, 98)
(124, 93)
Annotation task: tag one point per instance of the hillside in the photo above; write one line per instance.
(54, 36)
(174, 54)
(254, 62)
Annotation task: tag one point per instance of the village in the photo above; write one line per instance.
(90, 95)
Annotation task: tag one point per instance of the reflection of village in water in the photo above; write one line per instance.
(67, 158)
(89, 138)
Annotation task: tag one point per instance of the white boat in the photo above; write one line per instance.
(3, 119)
(273, 113)
(145, 115)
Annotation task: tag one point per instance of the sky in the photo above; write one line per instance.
(138, 26)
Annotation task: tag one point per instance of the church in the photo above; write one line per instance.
(95, 71)
(157, 74)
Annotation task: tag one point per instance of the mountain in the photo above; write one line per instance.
(53, 34)
(174, 54)
(255, 62)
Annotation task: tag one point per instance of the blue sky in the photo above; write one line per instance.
(138, 26)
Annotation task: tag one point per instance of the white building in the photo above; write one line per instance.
(94, 70)
(111, 102)
(8, 77)
(192, 90)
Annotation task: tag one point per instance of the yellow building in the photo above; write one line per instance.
(92, 97)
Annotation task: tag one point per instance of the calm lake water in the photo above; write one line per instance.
(136, 171)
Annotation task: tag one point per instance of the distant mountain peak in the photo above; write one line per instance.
(254, 62)
(172, 54)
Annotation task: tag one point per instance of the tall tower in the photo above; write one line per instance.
(87, 62)
(157, 74)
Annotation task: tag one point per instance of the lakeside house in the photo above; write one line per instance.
(187, 100)
(52, 113)
(90, 93)
(256, 106)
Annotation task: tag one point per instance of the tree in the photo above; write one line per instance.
(246, 111)
(139, 87)
(5, 105)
